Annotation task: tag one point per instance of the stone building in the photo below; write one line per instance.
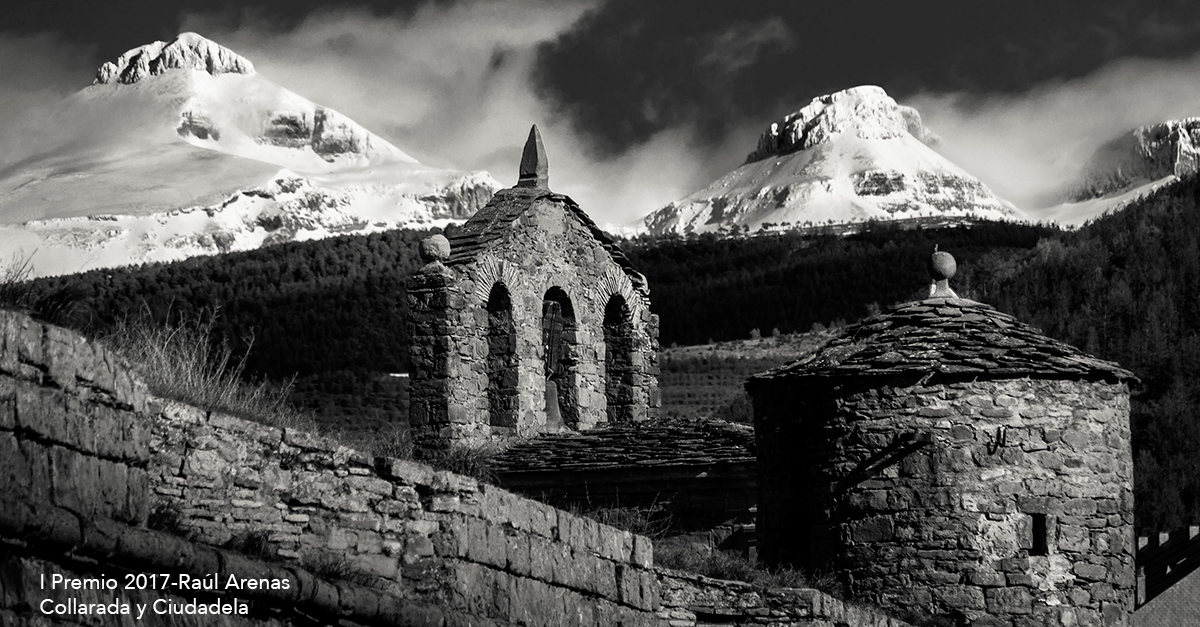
(528, 319)
(943, 458)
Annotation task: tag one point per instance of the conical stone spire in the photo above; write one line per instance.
(535, 172)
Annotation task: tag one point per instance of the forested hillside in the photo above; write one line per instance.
(712, 288)
(334, 304)
(1125, 288)
(329, 312)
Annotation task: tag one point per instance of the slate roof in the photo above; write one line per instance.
(491, 222)
(636, 445)
(948, 338)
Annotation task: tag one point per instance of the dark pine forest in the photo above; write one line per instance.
(1125, 287)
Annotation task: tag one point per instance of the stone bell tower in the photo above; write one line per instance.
(528, 319)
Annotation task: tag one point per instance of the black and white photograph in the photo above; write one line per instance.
(599, 313)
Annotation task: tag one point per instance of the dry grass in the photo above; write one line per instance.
(17, 293)
(391, 440)
(14, 287)
(652, 521)
(181, 362)
(685, 555)
(473, 460)
(254, 543)
(336, 568)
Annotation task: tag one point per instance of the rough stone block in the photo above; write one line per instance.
(409, 472)
(877, 529)
(960, 597)
(375, 564)
(986, 578)
(517, 553)
(15, 469)
(112, 489)
(1009, 601)
(74, 479)
(449, 482)
(37, 460)
(1091, 572)
(643, 551)
(8, 405)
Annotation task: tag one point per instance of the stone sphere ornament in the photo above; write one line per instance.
(435, 248)
(942, 266)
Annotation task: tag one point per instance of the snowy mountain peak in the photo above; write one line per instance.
(181, 148)
(1127, 167)
(851, 156)
(188, 50)
(866, 111)
(1145, 154)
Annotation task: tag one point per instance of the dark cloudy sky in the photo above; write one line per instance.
(643, 101)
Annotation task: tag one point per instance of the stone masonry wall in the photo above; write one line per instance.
(84, 458)
(690, 600)
(546, 248)
(71, 433)
(951, 527)
(445, 539)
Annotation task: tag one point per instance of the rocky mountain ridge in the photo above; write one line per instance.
(180, 148)
(1145, 154)
(187, 51)
(866, 111)
(851, 156)
(288, 208)
(1128, 167)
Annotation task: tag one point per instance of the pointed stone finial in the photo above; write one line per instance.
(941, 269)
(535, 172)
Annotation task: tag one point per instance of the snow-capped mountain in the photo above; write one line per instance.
(180, 148)
(1129, 166)
(850, 156)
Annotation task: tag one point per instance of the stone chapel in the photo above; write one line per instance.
(527, 320)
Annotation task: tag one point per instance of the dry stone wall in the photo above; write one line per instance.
(1007, 501)
(445, 539)
(84, 456)
(71, 433)
(690, 600)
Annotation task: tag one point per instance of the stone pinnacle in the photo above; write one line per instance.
(535, 172)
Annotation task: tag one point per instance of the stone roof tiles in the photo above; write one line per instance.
(634, 445)
(490, 224)
(945, 337)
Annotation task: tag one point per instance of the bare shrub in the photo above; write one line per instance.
(182, 363)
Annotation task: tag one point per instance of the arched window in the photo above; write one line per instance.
(501, 359)
(558, 346)
(620, 375)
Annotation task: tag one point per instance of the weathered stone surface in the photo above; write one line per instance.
(689, 600)
(393, 520)
(979, 468)
(530, 286)
(947, 339)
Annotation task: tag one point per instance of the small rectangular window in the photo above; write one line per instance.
(1040, 544)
